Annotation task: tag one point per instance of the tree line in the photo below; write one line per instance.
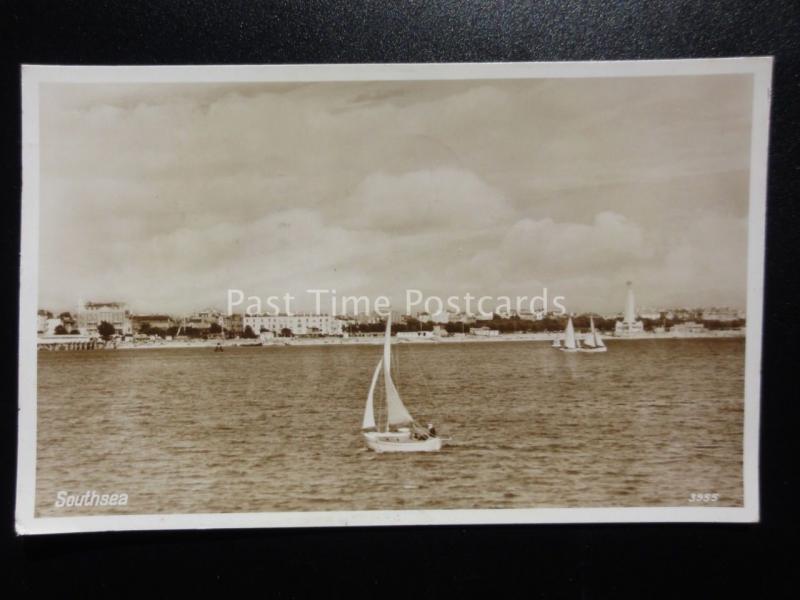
(502, 324)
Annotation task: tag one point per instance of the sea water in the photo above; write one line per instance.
(649, 423)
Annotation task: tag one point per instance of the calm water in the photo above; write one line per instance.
(266, 429)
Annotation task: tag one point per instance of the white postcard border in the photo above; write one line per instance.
(34, 75)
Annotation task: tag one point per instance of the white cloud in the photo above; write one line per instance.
(165, 196)
(444, 198)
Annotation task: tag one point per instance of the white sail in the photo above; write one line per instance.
(569, 335)
(396, 411)
(598, 340)
(369, 410)
(590, 339)
(556, 342)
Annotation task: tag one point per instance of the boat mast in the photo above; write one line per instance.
(369, 411)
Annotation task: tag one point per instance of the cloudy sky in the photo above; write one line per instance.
(164, 196)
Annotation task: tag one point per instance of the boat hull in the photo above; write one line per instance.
(387, 435)
(570, 349)
(381, 444)
(599, 349)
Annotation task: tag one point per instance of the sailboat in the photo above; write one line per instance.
(593, 342)
(556, 342)
(571, 344)
(400, 433)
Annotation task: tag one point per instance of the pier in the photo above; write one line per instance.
(55, 343)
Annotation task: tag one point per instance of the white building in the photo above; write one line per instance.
(368, 318)
(462, 317)
(41, 321)
(300, 324)
(50, 326)
(484, 332)
(688, 327)
(722, 314)
(526, 315)
(91, 314)
(629, 324)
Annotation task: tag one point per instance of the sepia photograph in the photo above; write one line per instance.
(391, 294)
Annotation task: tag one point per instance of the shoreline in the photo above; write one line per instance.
(378, 340)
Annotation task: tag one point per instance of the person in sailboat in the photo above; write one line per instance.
(418, 433)
(432, 429)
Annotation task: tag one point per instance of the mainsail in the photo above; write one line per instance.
(396, 411)
(569, 335)
(369, 411)
(590, 340)
(598, 340)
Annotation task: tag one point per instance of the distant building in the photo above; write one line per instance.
(91, 314)
(300, 324)
(210, 314)
(526, 315)
(204, 319)
(484, 332)
(153, 321)
(688, 327)
(722, 314)
(41, 320)
(369, 318)
(197, 322)
(440, 331)
(684, 314)
(51, 325)
(462, 317)
(629, 325)
(233, 324)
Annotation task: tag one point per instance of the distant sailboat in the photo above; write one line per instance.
(570, 342)
(593, 342)
(400, 432)
(556, 342)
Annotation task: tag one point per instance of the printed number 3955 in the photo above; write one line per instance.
(703, 497)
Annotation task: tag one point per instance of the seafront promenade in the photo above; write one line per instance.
(378, 340)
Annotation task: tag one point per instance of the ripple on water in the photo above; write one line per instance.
(269, 429)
